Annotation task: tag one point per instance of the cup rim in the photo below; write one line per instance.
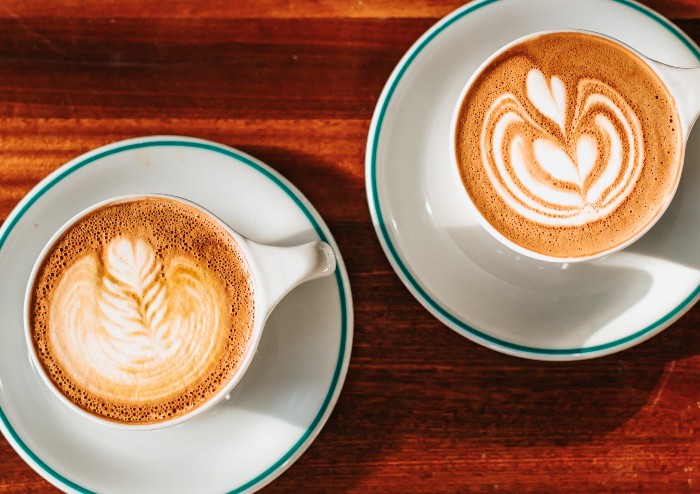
(475, 211)
(259, 314)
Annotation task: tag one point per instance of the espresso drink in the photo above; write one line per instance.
(568, 144)
(142, 311)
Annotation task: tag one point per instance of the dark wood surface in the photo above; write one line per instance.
(295, 82)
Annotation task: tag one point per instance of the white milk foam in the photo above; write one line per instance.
(567, 178)
(134, 329)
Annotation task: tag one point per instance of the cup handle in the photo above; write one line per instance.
(280, 269)
(684, 85)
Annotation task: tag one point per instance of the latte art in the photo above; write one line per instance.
(142, 311)
(577, 174)
(568, 144)
(147, 330)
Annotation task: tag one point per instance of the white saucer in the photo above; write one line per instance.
(453, 267)
(285, 397)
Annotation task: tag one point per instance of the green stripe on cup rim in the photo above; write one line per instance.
(275, 178)
(390, 250)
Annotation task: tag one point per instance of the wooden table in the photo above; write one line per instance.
(295, 82)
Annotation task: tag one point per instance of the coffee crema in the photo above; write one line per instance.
(143, 310)
(568, 144)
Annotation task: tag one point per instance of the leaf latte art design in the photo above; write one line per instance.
(560, 161)
(128, 326)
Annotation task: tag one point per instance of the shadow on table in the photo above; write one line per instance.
(438, 396)
(330, 187)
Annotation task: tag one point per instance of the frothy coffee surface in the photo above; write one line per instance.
(143, 310)
(568, 144)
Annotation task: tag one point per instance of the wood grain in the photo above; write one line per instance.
(274, 9)
(295, 83)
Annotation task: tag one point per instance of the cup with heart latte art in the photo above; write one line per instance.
(144, 311)
(569, 144)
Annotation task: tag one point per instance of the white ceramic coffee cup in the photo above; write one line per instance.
(684, 86)
(276, 271)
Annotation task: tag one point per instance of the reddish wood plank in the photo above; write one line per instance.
(320, 156)
(277, 9)
(86, 68)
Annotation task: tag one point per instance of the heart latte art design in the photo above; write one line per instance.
(126, 326)
(577, 165)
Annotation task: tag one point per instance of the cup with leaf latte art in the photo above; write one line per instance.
(145, 311)
(570, 144)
